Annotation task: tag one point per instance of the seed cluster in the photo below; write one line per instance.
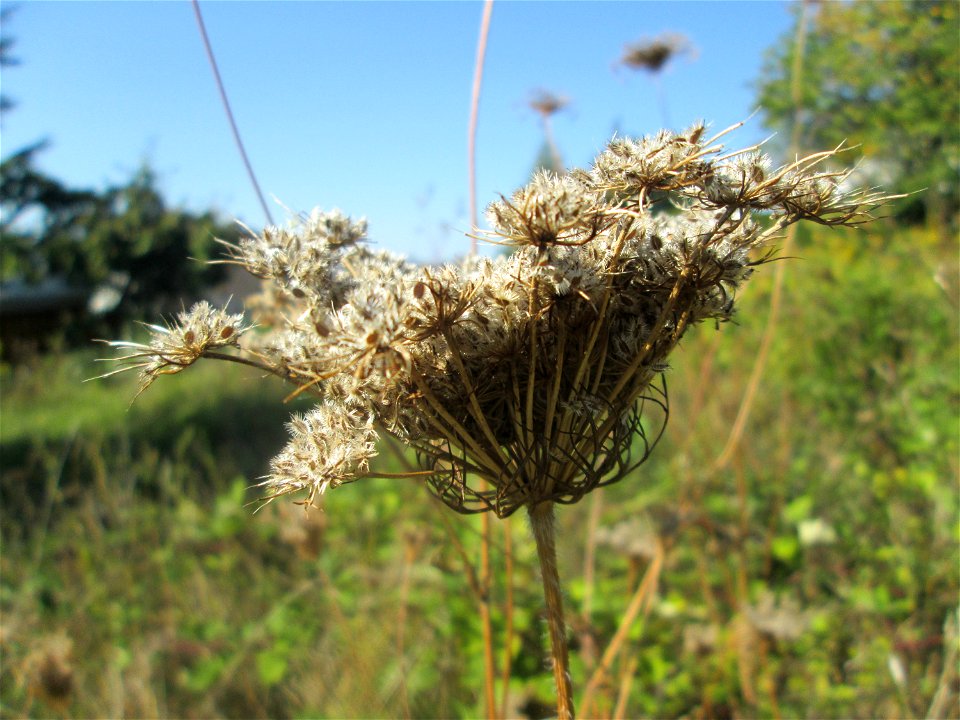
(525, 377)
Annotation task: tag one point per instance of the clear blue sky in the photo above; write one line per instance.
(361, 106)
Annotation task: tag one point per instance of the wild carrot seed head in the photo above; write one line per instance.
(531, 371)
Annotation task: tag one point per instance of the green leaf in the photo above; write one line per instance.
(205, 674)
(785, 547)
(798, 509)
(271, 666)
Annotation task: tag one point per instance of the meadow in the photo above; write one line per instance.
(810, 570)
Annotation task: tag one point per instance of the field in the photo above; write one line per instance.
(811, 573)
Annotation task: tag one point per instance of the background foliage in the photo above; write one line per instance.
(814, 575)
(124, 239)
(883, 77)
(122, 243)
(811, 578)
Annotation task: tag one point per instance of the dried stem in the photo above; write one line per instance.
(760, 364)
(508, 616)
(226, 106)
(589, 555)
(623, 695)
(409, 556)
(642, 600)
(474, 108)
(489, 667)
(542, 524)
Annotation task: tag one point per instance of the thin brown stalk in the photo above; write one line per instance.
(544, 533)
(642, 600)
(226, 106)
(759, 365)
(508, 617)
(528, 422)
(589, 554)
(552, 145)
(486, 583)
(939, 706)
(474, 109)
(409, 555)
(747, 665)
(769, 680)
(623, 695)
(746, 662)
(472, 580)
(480, 585)
(399, 475)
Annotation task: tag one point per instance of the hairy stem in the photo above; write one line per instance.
(541, 521)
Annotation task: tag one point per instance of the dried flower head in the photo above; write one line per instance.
(546, 103)
(173, 348)
(779, 619)
(524, 378)
(653, 54)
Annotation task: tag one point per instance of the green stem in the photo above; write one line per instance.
(541, 522)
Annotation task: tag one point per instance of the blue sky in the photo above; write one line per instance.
(362, 106)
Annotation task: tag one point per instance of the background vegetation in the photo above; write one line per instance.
(811, 573)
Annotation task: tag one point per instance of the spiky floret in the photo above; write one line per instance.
(197, 332)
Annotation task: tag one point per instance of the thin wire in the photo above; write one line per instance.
(226, 107)
(474, 106)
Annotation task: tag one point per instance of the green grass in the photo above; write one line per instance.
(132, 565)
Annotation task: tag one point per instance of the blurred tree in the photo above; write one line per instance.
(123, 248)
(33, 208)
(884, 76)
(6, 57)
(158, 253)
(124, 243)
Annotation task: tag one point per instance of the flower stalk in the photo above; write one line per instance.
(544, 534)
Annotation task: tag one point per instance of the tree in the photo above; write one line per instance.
(57, 212)
(884, 76)
(6, 58)
(122, 248)
(125, 237)
(160, 253)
